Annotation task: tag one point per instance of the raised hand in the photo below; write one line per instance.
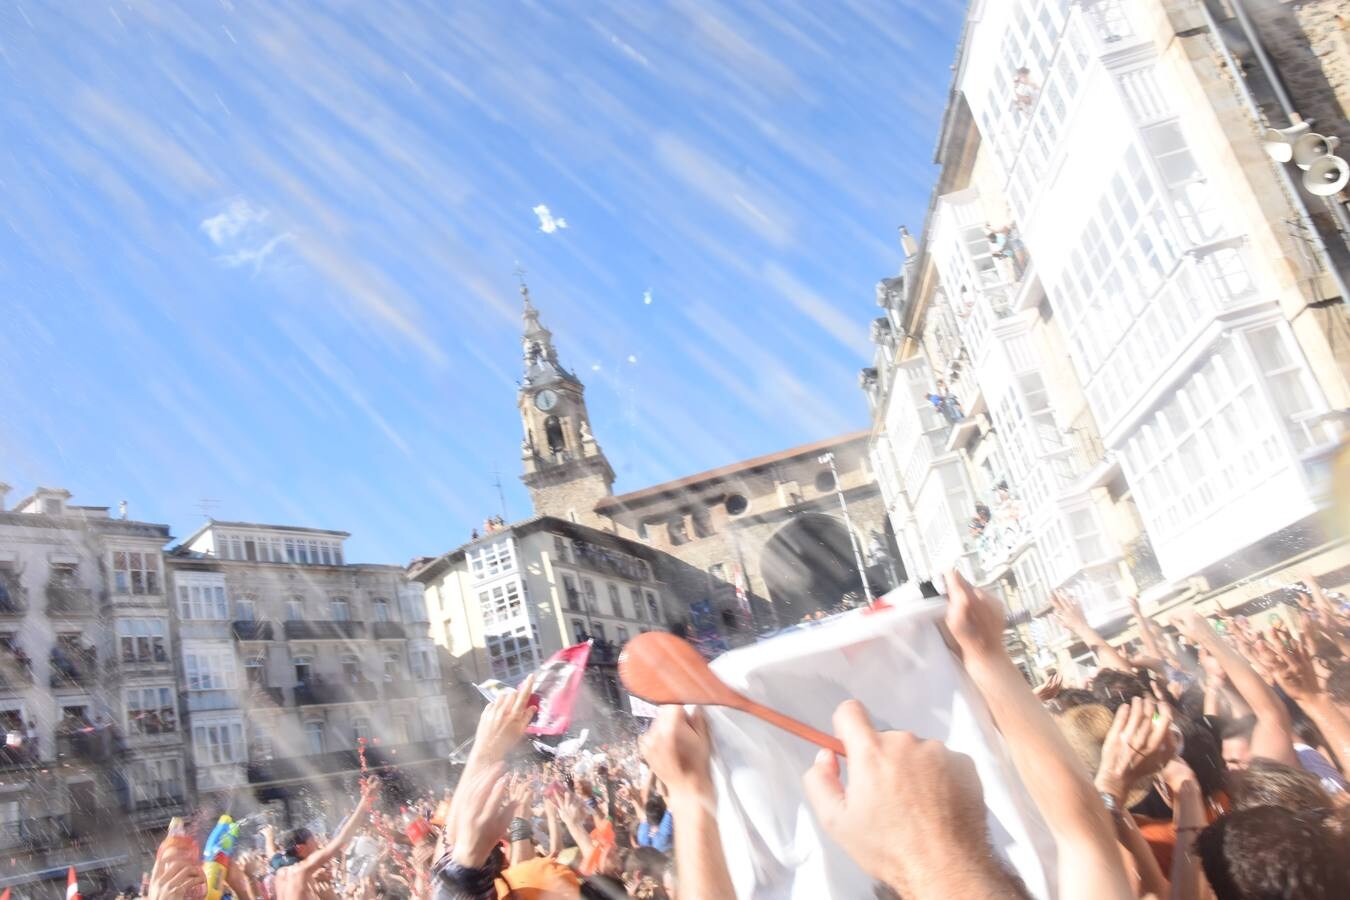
(1069, 612)
(1139, 744)
(1050, 690)
(678, 748)
(502, 725)
(975, 619)
(1290, 665)
(912, 813)
(177, 870)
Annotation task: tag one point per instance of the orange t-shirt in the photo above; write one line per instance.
(602, 839)
(541, 878)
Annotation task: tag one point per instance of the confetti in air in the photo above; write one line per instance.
(647, 297)
(632, 358)
(547, 223)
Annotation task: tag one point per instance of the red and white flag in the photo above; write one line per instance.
(556, 686)
(72, 885)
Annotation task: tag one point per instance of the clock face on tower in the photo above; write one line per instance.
(546, 400)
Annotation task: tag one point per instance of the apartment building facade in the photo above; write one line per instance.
(291, 659)
(1107, 366)
(93, 764)
(510, 598)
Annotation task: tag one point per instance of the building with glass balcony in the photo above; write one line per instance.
(1108, 364)
(291, 659)
(92, 763)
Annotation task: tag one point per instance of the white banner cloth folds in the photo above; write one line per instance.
(896, 662)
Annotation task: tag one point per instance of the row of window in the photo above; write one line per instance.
(261, 548)
(136, 572)
(1214, 435)
(209, 602)
(491, 560)
(643, 603)
(581, 632)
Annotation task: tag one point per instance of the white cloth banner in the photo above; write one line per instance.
(641, 708)
(897, 664)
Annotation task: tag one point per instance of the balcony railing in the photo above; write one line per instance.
(265, 697)
(316, 693)
(324, 630)
(74, 669)
(603, 559)
(13, 597)
(66, 600)
(49, 832)
(377, 755)
(249, 630)
(92, 745)
(387, 631)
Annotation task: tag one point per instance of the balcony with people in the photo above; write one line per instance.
(997, 531)
(16, 667)
(13, 595)
(983, 266)
(73, 665)
(66, 597)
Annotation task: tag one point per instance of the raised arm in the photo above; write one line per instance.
(1273, 735)
(1188, 817)
(1149, 634)
(1070, 614)
(370, 789)
(678, 748)
(1293, 670)
(1089, 863)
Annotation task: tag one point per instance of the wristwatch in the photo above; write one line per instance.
(1109, 801)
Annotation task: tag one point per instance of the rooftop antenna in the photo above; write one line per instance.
(206, 504)
(501, 495)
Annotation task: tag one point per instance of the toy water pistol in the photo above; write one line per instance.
(216, 855)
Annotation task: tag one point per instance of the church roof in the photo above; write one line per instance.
(723, 473)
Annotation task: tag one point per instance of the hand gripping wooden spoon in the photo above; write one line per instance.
(662, 668)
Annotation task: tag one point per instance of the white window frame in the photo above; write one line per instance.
(219, 741)
(136, 572)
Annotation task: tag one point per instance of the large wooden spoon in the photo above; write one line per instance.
(662, 668)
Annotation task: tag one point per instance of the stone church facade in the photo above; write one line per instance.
(744, 549)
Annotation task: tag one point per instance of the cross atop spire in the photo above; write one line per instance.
(541, 358)
(524, 289)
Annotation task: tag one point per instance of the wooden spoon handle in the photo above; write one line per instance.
(791, 725)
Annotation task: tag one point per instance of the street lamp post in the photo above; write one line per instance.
(828, 459)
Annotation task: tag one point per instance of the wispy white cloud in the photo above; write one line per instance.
(255, 257)
(547, 223)
(237, 217)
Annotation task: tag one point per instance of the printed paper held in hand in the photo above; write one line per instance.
(896, 663)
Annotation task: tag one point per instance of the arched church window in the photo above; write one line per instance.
(553, 433)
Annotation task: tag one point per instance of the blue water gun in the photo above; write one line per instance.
(216, 855)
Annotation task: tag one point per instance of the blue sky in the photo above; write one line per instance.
(262, 253)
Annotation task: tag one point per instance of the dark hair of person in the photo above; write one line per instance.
(1111, 688)
(296, 838)
(1202, 753)
(647, 862)
(1269, 852)
(1268, 783)
(603, 887)
(1239, 727)
(1071, 697)
(655, 810)
(1192, 702)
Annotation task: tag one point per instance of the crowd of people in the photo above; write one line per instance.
(1209, 763)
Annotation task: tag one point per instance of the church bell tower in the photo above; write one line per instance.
(564, 467)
